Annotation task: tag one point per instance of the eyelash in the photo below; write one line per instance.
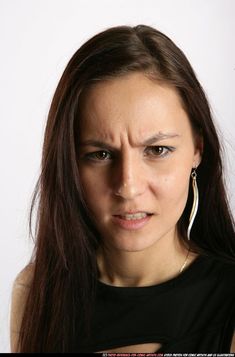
(168, 149)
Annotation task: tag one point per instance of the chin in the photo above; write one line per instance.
(133, 244)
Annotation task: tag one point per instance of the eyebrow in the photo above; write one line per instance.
(157, 137)
(152, 140)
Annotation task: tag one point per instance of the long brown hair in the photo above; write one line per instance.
(63, 288)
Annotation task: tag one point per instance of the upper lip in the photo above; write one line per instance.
(122, 213)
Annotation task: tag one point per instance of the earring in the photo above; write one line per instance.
(195, 202)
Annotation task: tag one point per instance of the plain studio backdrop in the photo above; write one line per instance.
(38, 37)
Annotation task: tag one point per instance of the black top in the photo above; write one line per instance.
(192, 313)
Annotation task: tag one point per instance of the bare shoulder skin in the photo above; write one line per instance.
(232, 350)
(19, 296)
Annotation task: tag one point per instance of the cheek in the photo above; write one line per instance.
(172, 191)
(95, 189)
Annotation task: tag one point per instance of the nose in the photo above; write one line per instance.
(129, 180)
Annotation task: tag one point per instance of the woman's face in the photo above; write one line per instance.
(136, 153)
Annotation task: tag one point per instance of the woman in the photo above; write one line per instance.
(135, 242)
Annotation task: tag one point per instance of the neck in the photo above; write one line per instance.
(160, 262)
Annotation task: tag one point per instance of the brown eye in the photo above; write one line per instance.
(158, 151)
(100, 155)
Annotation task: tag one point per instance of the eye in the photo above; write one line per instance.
(101, 155)
(158, 151)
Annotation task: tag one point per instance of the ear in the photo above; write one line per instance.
(198, 152)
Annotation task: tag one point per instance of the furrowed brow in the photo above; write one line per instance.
(96, 143)
(158, 137)
(152, 140)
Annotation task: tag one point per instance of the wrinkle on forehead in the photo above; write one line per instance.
(130, 108)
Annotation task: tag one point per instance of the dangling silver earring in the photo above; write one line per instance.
(195, 202)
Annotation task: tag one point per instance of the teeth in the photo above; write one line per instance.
(129, 217)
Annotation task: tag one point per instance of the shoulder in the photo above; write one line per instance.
(219, 267)
(227, 272)
(225, 283)
(19, 296)
(218, 274)
(22, 283)
(25, 276)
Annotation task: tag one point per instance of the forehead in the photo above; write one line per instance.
(131, 103)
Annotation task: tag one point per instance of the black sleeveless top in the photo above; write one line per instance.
(192, 313)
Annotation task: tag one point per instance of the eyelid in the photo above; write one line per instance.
(91, 155)
(161, 155)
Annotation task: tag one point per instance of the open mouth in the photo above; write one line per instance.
(134, 216)
(132, 221)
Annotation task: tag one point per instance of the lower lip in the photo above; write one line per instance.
(132, 224)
